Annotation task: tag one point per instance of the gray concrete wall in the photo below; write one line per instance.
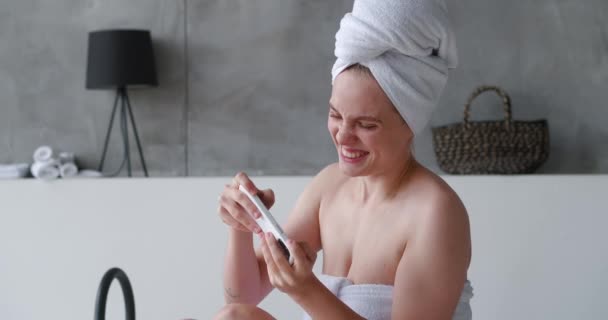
(43, 48)
(244, 84)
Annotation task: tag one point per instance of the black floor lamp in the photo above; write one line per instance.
(118, 60)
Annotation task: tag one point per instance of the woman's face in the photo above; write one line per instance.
(369, 135)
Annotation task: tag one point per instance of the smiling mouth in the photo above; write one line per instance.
(352, 154)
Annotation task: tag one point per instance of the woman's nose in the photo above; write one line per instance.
(345, 135)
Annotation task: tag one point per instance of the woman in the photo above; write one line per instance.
(395, 236)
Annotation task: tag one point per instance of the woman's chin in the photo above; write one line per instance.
(352, 170)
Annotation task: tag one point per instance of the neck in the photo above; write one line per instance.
(384, 186)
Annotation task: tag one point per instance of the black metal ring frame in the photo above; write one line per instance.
(102, 294)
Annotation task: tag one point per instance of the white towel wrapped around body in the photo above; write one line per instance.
(409, 47)
(375, 301)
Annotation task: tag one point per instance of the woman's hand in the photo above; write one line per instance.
(293, 280)
(236, 210)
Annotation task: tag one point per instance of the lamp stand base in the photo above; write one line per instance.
(125, 113)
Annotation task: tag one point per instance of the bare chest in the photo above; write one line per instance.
(363, 244)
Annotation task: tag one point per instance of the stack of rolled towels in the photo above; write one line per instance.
(49, 166)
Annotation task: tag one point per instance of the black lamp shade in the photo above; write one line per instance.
(120, 59)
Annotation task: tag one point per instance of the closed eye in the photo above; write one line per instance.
(368, 126)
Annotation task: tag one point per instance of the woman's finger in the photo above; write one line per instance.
(238, 213)
(242, 179)
(299, 256)
(270, 265)
(236, 210)
(267, 197)
(243, 201)
(277, 253)
(229, 220)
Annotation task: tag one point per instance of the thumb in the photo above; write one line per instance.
(267, 197)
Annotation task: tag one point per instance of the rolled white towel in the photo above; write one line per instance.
(89, 174)
(12, 171)
(68, 170)
(43, 154)
(23, 169)
(66, 157)
(14, 167)
(48, 170)
(9, 175)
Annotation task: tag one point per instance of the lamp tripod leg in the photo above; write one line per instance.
(125, 131)
(141, 155)
(105, 145)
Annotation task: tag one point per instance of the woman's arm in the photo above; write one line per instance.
(245, 273)
(433, 269)
(298, 280)
(242, 269)
(300, 283)
(242, 281)
(302, 225)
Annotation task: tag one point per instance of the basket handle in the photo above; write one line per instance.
(481, 89)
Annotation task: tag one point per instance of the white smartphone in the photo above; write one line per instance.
(267, 223)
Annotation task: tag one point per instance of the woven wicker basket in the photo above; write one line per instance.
(491, 147)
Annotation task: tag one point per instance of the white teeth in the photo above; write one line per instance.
(353, 155)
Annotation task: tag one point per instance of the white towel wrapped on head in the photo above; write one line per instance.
(407, 44)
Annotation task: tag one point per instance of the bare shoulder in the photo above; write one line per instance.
(437, 195)
(323, 181)
(331, 175)
(441, 210)
(327, 181)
